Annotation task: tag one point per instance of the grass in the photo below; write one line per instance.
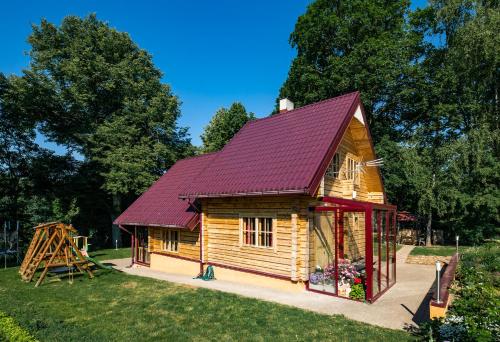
(108, 254)
(384, 250)
(436, 250)
(11, 331)
(115, 307)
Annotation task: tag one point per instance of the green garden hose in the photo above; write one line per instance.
(209, 274)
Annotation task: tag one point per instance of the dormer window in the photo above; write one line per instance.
(353, 171)
(334, 167)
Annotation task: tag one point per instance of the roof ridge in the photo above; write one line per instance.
(303, 107)
(197, 156)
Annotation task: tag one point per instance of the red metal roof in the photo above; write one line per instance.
(284, 153)
(406, 216)
(160, 204)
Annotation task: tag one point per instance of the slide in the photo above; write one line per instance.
(98, 264)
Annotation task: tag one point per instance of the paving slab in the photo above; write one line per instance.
(403, 305)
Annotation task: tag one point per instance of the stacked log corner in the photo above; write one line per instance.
(52, 246)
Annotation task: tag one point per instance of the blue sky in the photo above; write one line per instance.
(212, 53)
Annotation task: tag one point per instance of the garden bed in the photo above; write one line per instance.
(473, 315)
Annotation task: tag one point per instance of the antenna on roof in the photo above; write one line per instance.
(360, 167)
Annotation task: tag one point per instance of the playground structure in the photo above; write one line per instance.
(10, 239)
(81, 242)
(54, 249)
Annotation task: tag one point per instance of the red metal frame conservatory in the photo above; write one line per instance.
(369, 251)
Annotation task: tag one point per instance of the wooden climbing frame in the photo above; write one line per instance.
(53, 246)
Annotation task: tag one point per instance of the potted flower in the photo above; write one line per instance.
(347, 276)
(357, 291)
(316, 279)
(329, 275)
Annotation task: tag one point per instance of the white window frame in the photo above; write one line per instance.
(256, 219)
(334, 166)
(168, 243)
(352, 172)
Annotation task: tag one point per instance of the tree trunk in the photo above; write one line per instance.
(428, 230)
(116, 233)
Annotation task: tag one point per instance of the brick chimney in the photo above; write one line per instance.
(285, 105)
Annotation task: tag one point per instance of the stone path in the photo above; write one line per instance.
(406, 303)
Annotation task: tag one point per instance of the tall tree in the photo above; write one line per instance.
(429, 82)
(453, 106)
(224, 125)
(31, 178)
(103, 97)
(344, 46)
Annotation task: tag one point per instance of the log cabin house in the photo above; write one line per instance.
(293, 201)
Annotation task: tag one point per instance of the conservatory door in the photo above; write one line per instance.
(384, 250)
(337, 253)
(142, 245)
(323, 252)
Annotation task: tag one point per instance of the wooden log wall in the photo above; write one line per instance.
(189, 246)
(354, 145)
(287, 258)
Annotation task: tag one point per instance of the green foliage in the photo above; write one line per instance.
(344, 46)
(11, 331)
(103, 97)
(64, 215)
(91, 89)
(429, 82)
(357, 292)
(223, 126)
(473, 315)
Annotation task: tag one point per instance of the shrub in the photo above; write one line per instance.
(357, 292)
(11, 331)
(473, 314)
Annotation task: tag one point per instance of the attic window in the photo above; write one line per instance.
(334, 167)
(352, 171)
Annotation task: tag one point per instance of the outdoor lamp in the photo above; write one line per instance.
(456, 237)
(438, 271)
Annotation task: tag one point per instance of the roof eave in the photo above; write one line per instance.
(245, 194)
(151, 225)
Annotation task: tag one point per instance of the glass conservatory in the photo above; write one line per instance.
(352, 250)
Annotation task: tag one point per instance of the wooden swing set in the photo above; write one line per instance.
(53, 248)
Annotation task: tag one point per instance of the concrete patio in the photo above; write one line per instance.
(406, 303)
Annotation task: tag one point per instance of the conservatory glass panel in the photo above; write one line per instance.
(392, 249)
(352, 266)
(384, 255)
(376, 247)
(322, 252)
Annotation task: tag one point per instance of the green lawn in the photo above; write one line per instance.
(108, 254)
(436, 250)
(384, 249)
(119, 307)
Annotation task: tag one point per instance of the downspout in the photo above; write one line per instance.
(201, 244)
(132, 244)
